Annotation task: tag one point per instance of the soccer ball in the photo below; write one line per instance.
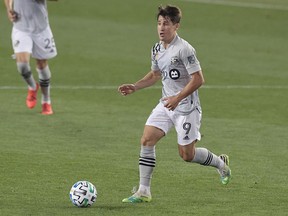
(83, 194)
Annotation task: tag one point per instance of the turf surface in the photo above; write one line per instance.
(94, 133)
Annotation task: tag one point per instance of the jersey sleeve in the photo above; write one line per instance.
(189, 59)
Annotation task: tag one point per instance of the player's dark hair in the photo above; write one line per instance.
(169, 11)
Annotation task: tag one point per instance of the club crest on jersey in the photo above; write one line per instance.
(191, 59)
(175, 61)
(174, 74)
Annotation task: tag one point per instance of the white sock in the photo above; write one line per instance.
(144, 190)
(147, 161)
(204, 157)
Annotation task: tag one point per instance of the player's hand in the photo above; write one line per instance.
(171, 102)
(126, 89)
(12, 15)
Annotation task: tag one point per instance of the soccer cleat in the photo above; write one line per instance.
(137, 198)
(31, 99)
(225, 173)
(46, 109)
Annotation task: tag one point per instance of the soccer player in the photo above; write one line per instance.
(31, 35)
(174, 62)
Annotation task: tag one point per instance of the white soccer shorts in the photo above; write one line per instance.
(187, 127)
(40, 45)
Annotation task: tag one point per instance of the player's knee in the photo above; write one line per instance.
(187, 152)
(187, 157)
(41, 64)
(24, 69)
(144, 141)
(147, 141)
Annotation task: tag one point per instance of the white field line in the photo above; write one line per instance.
(152, 87)
(241, 4)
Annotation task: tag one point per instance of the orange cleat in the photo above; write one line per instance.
(31, 99)
(46, 109)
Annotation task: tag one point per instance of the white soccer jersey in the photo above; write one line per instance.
(176, 64)
(32, 15)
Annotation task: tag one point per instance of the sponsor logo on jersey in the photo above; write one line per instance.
(174, 74)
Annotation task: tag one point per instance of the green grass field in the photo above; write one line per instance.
(95, 133)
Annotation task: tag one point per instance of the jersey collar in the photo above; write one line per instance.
(171, 43)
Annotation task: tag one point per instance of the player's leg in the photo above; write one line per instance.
(187, 128)
(44, 81)
(203, 156)
(22, 45)
(157, 125)
(147, 159)
(147, 162)
(23, 67)
(44, 48)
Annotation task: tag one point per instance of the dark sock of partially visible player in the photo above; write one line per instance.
(204, 157)
(44, 81)
(25, 70)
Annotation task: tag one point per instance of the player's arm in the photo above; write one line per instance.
(150, 79)
(12, 15)
(195, 83)
(8, 4)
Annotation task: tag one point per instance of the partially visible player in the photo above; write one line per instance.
(174, 62)
(32, 36)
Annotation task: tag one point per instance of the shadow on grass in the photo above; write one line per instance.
(106, 207)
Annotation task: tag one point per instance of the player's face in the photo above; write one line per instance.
(166, 29)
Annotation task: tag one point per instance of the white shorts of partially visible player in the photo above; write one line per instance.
(39, 45)
(186, 126)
